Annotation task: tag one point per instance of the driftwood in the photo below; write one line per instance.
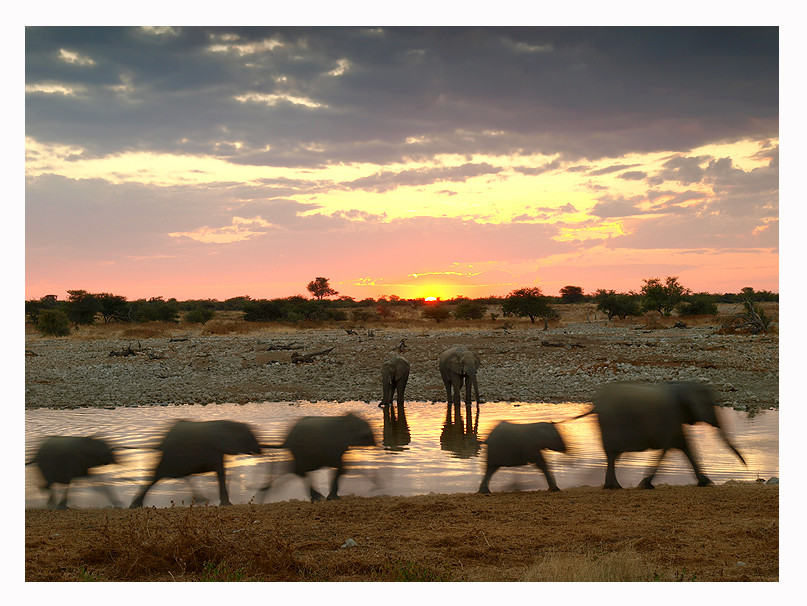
(566, 345)
(308, 358)
(129, 351)
(286, 347)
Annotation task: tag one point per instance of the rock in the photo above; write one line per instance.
(773, 481)
(349, 543)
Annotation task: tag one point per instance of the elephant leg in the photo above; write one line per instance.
(703, 479)
(335, 483)
(483, 487)
(223, 496)
(647, 481)
(610, 473)
(540, 463)
(138, 501)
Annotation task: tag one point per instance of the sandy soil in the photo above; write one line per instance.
(682, 533)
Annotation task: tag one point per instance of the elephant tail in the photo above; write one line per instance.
(585, 414)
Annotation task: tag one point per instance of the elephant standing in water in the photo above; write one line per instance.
(192, 447)
(317, 442)
(61, 459)
(458, 366)
(638, 416)
(516, 444)
(394, 375)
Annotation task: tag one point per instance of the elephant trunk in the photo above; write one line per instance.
(730, 445)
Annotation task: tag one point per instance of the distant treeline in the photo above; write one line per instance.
(55, 316)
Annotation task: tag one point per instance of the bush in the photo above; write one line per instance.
(436, 312)
(53, 322)
(470, 310)
(199, 315)
(698, 305)
(616, 304)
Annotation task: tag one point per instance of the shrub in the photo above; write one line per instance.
(616, 304)
(469, 310)
(698, 305)
(436, 312)
(199, 315)
(53, 322)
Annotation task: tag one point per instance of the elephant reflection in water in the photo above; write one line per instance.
(394, 375)
(460, 436)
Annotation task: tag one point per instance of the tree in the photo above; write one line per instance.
(469, 310)
(616, 304)
(82, 306)
(528, 302)
(320, 288)
(572, 294)
(436, 312)
(662, 298)
(112, 307)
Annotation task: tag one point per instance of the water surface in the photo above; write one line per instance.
(419, 453)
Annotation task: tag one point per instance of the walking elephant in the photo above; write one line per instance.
(62, 459)
(394, 375)
(317, 442)
(641, 416)
(192, 447)
(516, 444)
(458, 366)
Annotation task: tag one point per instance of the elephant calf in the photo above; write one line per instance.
(516, 444)
(192, 447)
(61, 459)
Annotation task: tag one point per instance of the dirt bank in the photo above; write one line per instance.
(242, 362)
(682, 533)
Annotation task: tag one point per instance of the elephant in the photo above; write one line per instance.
(516, 444)
(458, 365)
(317, 442)
(61, 459)
(640, 416)
(394, 375)
(192, 447)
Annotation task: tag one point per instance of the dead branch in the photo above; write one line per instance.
(309, 357)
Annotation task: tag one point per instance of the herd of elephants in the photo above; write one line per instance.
(631, 416)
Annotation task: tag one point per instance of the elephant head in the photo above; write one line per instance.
(698, 404)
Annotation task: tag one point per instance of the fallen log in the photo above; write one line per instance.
(308, 358)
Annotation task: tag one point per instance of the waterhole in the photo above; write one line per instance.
(425, 451)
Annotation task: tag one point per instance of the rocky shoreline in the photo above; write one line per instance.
(524, 363)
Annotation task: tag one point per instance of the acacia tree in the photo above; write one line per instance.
(320, 288)
(572, 294)
(529, 302)
(662, 298)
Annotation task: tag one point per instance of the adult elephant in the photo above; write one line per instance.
(62, 459)
(641, 416)
(516, 444)
(192, 447)
(394, 375)
(317, 442)
(458, 366)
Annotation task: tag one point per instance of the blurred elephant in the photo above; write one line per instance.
(394, 375)
(458, 366)
(62, 459)
(516, 444)
(192, 447)
(640, 416)
(317, 442)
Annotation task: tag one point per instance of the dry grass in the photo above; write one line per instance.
(673, 533)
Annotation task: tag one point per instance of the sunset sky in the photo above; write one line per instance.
(219, 162)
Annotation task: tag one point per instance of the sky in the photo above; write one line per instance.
(199, 162)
